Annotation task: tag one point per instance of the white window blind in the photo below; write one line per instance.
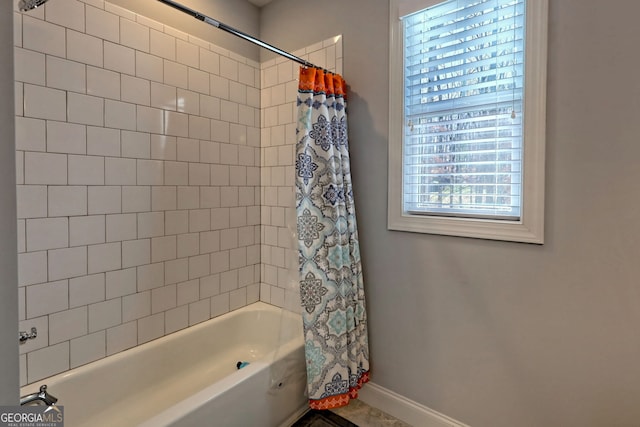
(463, 109)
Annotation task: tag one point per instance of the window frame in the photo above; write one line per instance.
(530, 227)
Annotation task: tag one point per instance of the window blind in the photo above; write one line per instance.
(464, 76)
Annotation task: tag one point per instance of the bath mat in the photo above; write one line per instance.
(314, 418)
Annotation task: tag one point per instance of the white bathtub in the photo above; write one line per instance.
(190, 378)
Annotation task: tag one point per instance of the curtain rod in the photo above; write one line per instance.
(199, 16)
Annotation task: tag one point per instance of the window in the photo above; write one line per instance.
(467, 118)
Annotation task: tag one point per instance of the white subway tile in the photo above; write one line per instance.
(102, 24)
(188, 244)
(70, 16)
(189, 292)
(198, 81)
(163, 198)
(136, 252)
(220, 174)
(219, 262)
(188, 198)
(228, 154)
(136, 199)
(150, 172)
(176, 173)
(220, 218)
(228, 196)
(85, 109)
(31, 201)
(119, 171)
(209, 197)
(199, 266)
(87, 349)
(162, 45)
(119, 58)
(246, 74)
(135, 90)
(84, 48)
(120, 115)
(163, 147)
(103, 141)
(66, 263)
(228, 68)
(136, 145)
(67, 200)
(29, 66)
(209, 286)
(86, 170)
(66, 138)
(163, 96)
(150, 328)
(149, 67)
(237, 92)
(163, 248)
(120, 283)
(66, 75)
(209, 107)
(47, 233)
(176, 124)
(103, 83)
(209, 61)
(47, 362)
(237, 298)
(176, 222)
(134, 35)
(229, 111)
(163, 299)
(125, 13)
(176, 319)
(219, 131)
(43, 36)
(22, 235)
(104, 200)
(220, 304)
(198, 174)
(45, 103)
(188, 102)
(32, 268)
(121, 227)
(30, 134)
(187, 54)
(199, 220)
(67, 325)
(47, 298)
(86, 230)
(104, 257)
(150, 224)
(86, 290)
(199, 127)
(150, 119)
(209, 242)
(176, 74)
(105, 314)
(176, 270)
(136, 306)
(122, 337)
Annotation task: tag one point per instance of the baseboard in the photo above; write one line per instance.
(404, 409)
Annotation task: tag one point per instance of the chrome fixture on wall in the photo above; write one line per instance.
(24, 336)
(39, 398)
(27, 5)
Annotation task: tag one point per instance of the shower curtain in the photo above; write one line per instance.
(331, 286)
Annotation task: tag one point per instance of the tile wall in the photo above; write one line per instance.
(279, 259)
(138, 167)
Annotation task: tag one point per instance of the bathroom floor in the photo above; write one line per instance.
(356, 414)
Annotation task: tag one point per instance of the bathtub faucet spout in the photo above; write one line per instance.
(40, 398)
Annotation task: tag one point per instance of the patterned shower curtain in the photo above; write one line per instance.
(331, 287)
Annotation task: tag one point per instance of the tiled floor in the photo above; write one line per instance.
(364, 415)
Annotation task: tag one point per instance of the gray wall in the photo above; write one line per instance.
(8, 234)
(493, 333)
(240, 15)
